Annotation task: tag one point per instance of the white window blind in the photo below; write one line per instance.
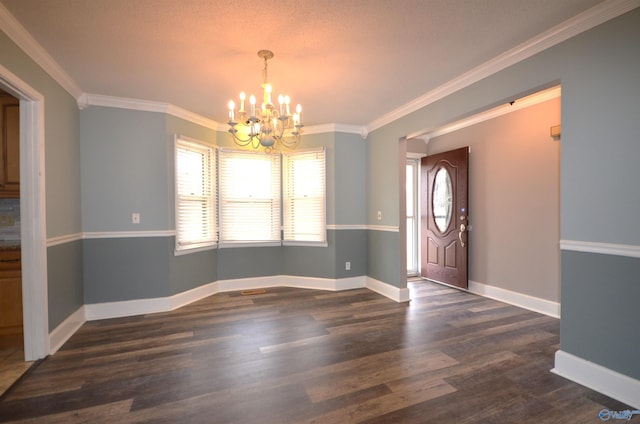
(195, 173)
(249, 197)
(304, 197)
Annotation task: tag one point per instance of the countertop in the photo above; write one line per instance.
(9, 246)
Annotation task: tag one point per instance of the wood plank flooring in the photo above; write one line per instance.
(12, 366)
(302, 356)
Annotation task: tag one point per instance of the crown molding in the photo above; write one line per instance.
(582, 22)
(87, 99)
(534, 99)
(195, 118)
(19, 35)
(334, 128)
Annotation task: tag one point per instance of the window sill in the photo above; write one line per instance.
(232, 245)
(189, 250)
(306, 243)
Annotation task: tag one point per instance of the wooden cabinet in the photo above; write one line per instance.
(10, 299)
(9, 146)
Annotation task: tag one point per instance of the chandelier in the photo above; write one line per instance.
(267, 126)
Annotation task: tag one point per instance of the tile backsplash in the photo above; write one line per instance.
(9, 221)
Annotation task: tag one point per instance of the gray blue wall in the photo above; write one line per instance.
(62, 181)
(127, 166)
(599, 73)
(600, 310)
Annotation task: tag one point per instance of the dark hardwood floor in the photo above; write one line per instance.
(303, 356)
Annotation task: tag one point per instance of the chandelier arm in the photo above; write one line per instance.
(290, 142)
(270, 129)
(252, 140)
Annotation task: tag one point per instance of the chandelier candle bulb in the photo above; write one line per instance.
(287, 100)
(299, 113)
(242, 97)
(281, 101)
(267, 94)
(252, 101)
(232, 106)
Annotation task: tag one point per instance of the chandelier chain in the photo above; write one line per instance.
(265, 74)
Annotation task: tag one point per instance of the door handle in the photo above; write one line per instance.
(463, 229)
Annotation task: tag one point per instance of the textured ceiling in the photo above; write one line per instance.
(346, 61)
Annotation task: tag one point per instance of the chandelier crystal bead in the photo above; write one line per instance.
(268, 126)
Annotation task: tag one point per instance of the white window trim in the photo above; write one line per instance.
(219, 243)
(223, 243)
(186, 142)
(323, 224)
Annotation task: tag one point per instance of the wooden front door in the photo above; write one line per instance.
(444, 217)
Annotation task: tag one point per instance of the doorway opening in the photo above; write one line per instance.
(514, 210)
(11, 331)
(32, 214)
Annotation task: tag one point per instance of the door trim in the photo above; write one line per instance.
(32, 215)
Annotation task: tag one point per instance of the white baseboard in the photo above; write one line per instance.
(182, 299)
(106, 310)
(126, 308)
(324, 283)
(351, 283)
(596, 377)
(387, 290)
(291, 281)
(66, 329)
(525, 301)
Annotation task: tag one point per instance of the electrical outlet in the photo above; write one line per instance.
(347, 265)
(135, 218)
(379, 215)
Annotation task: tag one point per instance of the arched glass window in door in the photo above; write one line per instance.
(442, 199)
